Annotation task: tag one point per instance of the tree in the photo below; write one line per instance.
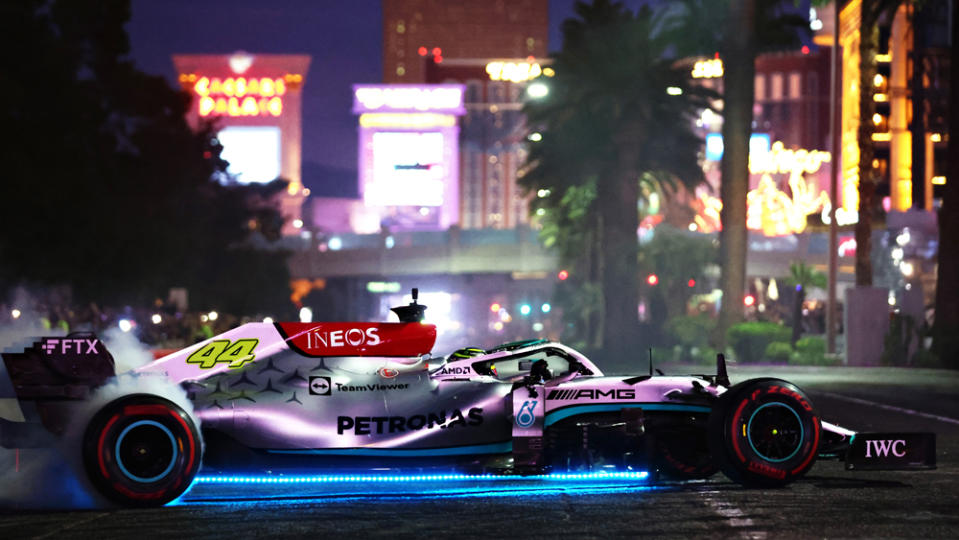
(738, 49)
(739, 31)
(679, 260)
(608, 121)
(107, 188)
(802, 277)
(946, 325)
(872, 12)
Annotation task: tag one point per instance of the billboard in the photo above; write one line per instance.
(253, 152)
(409, 154)
(408, 169)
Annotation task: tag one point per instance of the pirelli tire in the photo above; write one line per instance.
(764, 433)
(141, 451)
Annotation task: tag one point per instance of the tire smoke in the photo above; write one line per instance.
(54, 477)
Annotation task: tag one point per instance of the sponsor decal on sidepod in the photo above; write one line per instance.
(368, 425)
(592, 393)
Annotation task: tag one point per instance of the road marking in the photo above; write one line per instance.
(71, 525)
(735, 517)
(890, 407)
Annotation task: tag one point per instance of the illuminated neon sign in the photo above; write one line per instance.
(708, 69)
(513, 71)
(407, 120)
(240, 96)
(770, 209)
(408, 98)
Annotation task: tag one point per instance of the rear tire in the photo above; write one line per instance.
(141, 450)
(764, 432)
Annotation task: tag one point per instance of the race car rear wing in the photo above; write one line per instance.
(60, 368)
(47, 377)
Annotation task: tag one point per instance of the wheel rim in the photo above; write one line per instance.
(146, 451)
(775, 432)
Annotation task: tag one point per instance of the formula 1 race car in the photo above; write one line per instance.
(370, 395)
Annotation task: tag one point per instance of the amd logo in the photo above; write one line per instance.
(454, 370)
(883, 447)
(354, 337)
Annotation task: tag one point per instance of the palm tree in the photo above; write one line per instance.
(739, 30)
(872, 12)
(946, 329)
(802, 277)
(608, 122)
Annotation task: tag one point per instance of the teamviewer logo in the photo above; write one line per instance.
(320, 386)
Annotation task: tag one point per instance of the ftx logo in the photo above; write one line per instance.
(72, 345)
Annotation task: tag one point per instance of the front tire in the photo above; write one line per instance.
(764, 432)
(141, 450)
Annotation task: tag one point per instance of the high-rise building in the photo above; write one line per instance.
(456, 30)
(494, 49)
(255, 100)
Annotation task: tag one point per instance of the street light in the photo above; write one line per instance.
(537, 90)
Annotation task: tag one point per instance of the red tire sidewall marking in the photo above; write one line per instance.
(101, 454)
(815, 445)
(147, 410)
(735, 433)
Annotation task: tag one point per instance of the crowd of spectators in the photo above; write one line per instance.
(161, 326)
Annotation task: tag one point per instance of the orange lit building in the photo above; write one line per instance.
(254, 100)
(911, 95)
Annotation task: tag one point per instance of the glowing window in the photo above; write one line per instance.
(776, 90)
(760, 86)
(795, 88)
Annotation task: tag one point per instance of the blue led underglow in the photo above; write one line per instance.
(322, 479)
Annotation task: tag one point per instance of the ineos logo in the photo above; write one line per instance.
(353, 337)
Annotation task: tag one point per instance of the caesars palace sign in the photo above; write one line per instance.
(239, 96)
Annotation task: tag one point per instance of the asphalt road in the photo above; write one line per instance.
(828, 502)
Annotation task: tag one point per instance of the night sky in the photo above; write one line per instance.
(344, 39)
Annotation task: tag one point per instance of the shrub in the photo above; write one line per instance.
(691, 333)
(704, 355)
(811, 351)
(750, 339)
(779, 351)
(925, 358)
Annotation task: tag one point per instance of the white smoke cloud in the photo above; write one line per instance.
(128, 352)
(55, 477)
